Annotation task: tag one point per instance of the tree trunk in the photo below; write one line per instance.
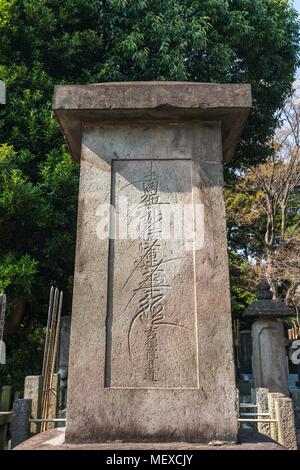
(15, 316)
(283, 220)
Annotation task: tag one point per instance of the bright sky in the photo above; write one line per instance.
(297, 5)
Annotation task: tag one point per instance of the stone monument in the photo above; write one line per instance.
(151, 355)
(269, 357)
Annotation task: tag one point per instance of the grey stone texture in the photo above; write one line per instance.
(175, 362)
(268, 341)
(20, 421)
(286, 423)
(145, 102)
(55, 440)
(269, 356)
(272, 397)
(130, 378)
(263, 407)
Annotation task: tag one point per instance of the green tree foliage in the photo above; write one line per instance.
(243, 283)
(48, 42)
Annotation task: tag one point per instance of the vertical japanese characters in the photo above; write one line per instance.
(152, 285)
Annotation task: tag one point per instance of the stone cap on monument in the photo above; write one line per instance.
(149, 300)
(160, 103)
(265, 306)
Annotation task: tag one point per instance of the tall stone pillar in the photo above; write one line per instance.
(33, 391)
(269, 354)
(151, 355)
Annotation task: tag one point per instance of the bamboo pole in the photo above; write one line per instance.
(51, 298)
(49, 355)
(55, 347)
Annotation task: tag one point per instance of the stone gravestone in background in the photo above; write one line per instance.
(151, 355)
(270, 367)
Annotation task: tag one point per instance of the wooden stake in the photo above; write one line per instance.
(51, 298)
(55, 347)
(49, 357)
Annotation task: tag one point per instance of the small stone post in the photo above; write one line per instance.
(269, 355)
(33, 390)
(272, 397)
(286, 422)
(20, 421)
(263, 407)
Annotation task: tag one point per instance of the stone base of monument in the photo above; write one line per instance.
(54, 439)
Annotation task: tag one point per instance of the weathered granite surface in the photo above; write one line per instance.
(268, 340)
(263, 407)
(152, 101)
(286, 423)
(55, 440)
(19, 427)
(33, 387)
(175, 360)
(151, 361)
